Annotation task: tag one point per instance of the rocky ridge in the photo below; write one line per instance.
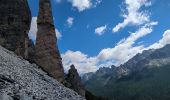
(137, 79)
(145, 60)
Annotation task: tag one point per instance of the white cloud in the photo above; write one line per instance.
(125, 50)
(122, 52)
(33, 30)
(101, 30)
(134, 14)
(82, 62)
(81, 4)
(162, 42)
(58, 34)
(70, 21)
(58, 1)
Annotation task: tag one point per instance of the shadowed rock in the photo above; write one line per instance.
(15, 19)
(47, 53)
(31, 51)
(74, 81)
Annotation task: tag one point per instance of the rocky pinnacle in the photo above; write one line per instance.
(74, 80)
(47, 53)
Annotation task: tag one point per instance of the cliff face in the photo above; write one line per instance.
(15, 19)
(74, 81)
(20, 80)
(47, 53)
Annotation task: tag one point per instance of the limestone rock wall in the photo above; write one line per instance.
(15, 19)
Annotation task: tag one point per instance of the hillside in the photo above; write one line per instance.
(20, 80)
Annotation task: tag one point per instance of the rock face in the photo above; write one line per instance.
(15, 19)
(31, 51)
(47, 53)
(20, 80)
(74, 81)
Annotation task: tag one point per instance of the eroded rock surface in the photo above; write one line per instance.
(15, 19)
(47, 53)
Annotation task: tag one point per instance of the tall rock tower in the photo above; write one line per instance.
(47, 53)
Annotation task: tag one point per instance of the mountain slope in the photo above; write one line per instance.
(20, 80)
(144, 77)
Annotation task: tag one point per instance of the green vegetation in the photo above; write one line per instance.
(90, 96)
(149, 84)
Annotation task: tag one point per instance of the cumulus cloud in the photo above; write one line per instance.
(70, 21)
(162, 42)
(101, 30)
(81, 61)
(134, 14)
(125, 48)
(82, 5)
(123, 51)
(33, 30)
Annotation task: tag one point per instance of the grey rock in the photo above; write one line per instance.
(20, 80)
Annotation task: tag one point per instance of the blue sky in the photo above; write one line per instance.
(97, 33)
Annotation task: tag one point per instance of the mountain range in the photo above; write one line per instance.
(143, 77)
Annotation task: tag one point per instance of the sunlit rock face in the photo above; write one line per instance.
(15, 19)
(47, 53)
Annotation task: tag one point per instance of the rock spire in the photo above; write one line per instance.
(47, 53)
(74, 81)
